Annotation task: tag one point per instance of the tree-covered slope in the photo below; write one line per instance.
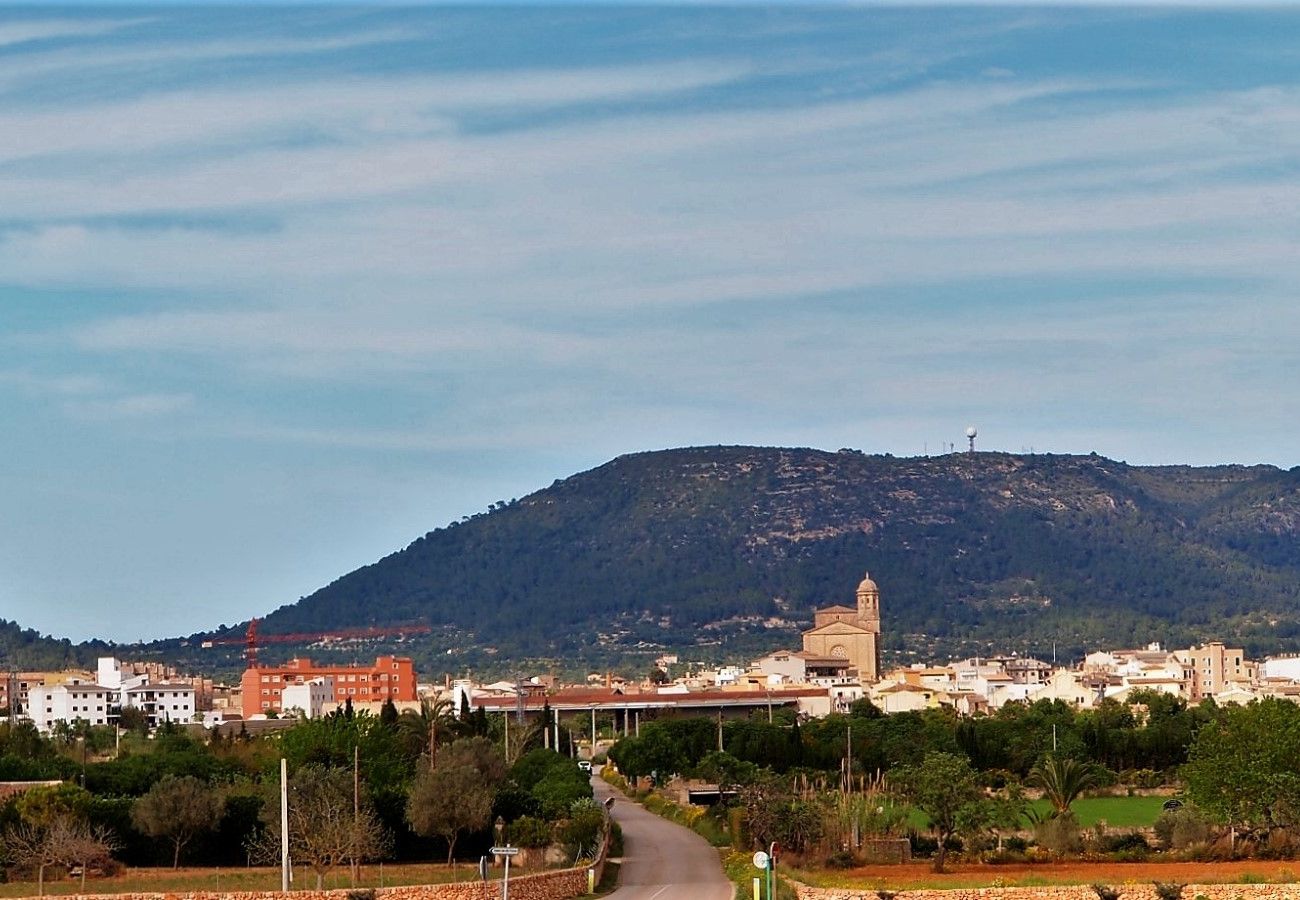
(699, 545)
(24, 649)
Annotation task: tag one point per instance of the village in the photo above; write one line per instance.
(837, 665)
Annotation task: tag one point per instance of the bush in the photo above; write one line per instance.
(1168, 890)
(580, 833)
(841, 859)
(527, 831)
(1131, 844)
(1104, 892)
(1059, 834)
(1182, 828)
(925, 846)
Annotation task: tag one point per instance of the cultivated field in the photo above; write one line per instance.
(916, 876)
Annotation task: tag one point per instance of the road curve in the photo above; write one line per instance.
(663, 860)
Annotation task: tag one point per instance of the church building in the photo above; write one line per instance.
(849, 633)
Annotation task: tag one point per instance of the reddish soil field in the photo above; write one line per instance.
(1071, 872)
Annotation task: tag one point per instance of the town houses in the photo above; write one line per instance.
(837, 664)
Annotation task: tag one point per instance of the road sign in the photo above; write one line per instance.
(761, 860)
(505, 851)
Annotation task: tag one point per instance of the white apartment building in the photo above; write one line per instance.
(309, 698)
(89, 703)
(161, 703)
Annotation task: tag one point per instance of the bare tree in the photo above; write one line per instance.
(86, 846)
(63, 842)
(177, 809)
(324, 829)
(30, 848)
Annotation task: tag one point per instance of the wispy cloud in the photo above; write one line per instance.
(19, 32)
(407, 243)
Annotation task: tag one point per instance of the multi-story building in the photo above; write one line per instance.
(70, 702)
(1212, 668)
(391, 677)
(308, 698)
(161, 703)
(16, 686)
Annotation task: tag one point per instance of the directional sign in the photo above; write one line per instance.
(761, 860)
(507, 851)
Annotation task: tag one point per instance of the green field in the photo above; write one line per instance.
(1116, 812)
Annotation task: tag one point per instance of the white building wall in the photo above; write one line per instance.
(162, 702)
(308, 698)
(108, 672)
(48, 704)
(1281, 667)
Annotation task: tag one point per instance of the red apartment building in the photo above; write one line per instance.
(390, 676)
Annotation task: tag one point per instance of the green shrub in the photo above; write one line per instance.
(1181, 828)
(1059, 834)
(1105, 892)
(1168, 890)
(580, 833)
(527, 831)
(841, 859)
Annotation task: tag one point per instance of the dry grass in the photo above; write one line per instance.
(248, 879)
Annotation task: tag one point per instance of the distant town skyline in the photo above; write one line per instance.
(283, 288)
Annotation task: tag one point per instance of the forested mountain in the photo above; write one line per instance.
(732, 547)
(24, 649)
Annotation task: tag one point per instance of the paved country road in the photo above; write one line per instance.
(663, 860)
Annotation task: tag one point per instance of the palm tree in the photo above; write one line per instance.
(1062, 781)
(426, 728)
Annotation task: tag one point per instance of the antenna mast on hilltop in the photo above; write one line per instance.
(970, 437)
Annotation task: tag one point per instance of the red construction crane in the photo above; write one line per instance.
(252, 640)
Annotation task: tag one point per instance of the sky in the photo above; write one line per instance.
(284, 288)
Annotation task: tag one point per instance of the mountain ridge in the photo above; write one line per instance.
(651, 548)
(723, 552)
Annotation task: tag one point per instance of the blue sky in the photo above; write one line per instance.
(282, 289)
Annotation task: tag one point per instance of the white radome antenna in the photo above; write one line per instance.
(970, 437)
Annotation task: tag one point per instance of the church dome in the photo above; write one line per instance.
(868, 586)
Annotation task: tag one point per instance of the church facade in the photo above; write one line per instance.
(850, 633)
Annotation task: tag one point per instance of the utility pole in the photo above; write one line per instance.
(356, 805)
(848, 767)
(284, 825)
(719, 729)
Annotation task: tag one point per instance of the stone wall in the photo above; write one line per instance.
(559, 884)
(562, 884)
(1071, 892)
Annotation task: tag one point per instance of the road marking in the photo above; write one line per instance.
(660, 891)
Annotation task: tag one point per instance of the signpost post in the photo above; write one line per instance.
(763, 863)
(506, 851)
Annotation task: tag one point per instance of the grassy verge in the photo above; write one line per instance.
(740, 869)
(1116, 812)
(138, 881)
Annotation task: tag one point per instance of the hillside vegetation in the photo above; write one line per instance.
(730, 548)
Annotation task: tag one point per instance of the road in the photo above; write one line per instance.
(663, 860)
